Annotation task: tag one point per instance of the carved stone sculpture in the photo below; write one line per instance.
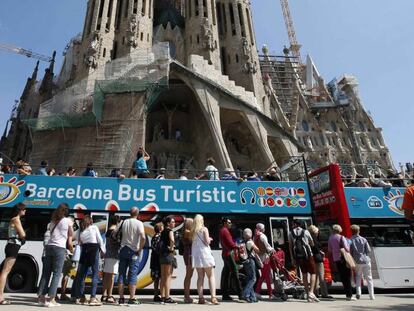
(208, 41)
(91, 59)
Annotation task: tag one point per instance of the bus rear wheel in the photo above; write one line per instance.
(22, 278)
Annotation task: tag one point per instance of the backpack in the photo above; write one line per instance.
(161, 247)
(240, 253)
(301, 249)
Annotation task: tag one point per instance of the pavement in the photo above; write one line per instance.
(383, 302)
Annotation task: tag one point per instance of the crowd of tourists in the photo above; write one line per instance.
(140, 170)
(65, 249)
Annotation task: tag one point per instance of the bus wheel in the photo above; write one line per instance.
(22, 278)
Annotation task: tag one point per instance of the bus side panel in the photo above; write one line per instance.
(395, 271)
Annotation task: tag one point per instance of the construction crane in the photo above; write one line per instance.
(294, 45)
(25, 52)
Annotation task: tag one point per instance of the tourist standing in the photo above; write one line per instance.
(318, 257)
(61, 233)
(43, 168)
(132, 236)
(189, 270)
(92, 245)
(203, 260)
(155, 265)
(16, 238)
(167, 258)
(360, 251)
(335, 243)
(230, 273)
(141, 167)
(300, 243)
(111, 261)
(250, 266)
(264, 250)
(210, 172)
(89, 171)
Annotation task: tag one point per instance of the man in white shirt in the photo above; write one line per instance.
(132, 236)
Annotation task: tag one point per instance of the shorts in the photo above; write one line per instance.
(111, 265)
(67, 266)
(307, 265)
(12, 250)
(128, 261)
(167, 259)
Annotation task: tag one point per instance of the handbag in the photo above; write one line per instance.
(350, 262)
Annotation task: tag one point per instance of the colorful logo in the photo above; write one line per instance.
(395, 202)
(9, 190)
(274, 197)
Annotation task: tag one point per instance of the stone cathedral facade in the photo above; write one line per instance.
(187, 80)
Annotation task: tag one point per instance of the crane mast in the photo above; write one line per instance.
(294, 45)
(25, 52)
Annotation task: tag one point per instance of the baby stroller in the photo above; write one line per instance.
(284, 281)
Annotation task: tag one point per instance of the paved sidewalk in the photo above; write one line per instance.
(385, 302)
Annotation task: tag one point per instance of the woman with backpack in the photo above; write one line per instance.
(189, 270)
(61, 233)
(91, 246)
(203, 260)
(167, 258)
(16, 238)
(111, 261)
(155, 261)
(249, 266)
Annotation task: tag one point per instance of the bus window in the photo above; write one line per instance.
(392, 235)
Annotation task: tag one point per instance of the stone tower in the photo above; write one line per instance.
(239, 58)
(201, 30)
(112, 29)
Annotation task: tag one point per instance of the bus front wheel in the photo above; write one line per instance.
(22, 278)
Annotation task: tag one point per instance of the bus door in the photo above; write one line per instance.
(279, 229)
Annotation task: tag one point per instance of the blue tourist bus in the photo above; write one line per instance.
(274, 204)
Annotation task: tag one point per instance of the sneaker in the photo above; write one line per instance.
(157, 298)
(53, 304)
(358, 296)
(133, 302)
(372, 298)
(94, 302)
(170, 301)
(226, 298)
(121, 301)
(259, 297)
(351, 298)
(313, 297)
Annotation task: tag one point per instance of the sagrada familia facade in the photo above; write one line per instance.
(186, 79)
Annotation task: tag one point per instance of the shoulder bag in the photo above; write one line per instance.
(350, 262)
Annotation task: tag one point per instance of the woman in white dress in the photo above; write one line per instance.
(203, 260)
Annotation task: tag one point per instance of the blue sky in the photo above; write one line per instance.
(371, 39)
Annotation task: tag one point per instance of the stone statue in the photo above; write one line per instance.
(156, 132)
(207, 35)
(249, 65)
(170, 115)
(91, 59)
(132, 31)
(268, 84)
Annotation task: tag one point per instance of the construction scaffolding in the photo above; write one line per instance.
(81, 105)
(102, 118)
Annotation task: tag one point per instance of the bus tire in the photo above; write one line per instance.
(22, 278)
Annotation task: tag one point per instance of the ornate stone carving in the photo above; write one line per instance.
(91, 58)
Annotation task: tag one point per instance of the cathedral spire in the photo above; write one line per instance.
(30, 82)
(47, 82)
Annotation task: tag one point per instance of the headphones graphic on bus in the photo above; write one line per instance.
(243, 196)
